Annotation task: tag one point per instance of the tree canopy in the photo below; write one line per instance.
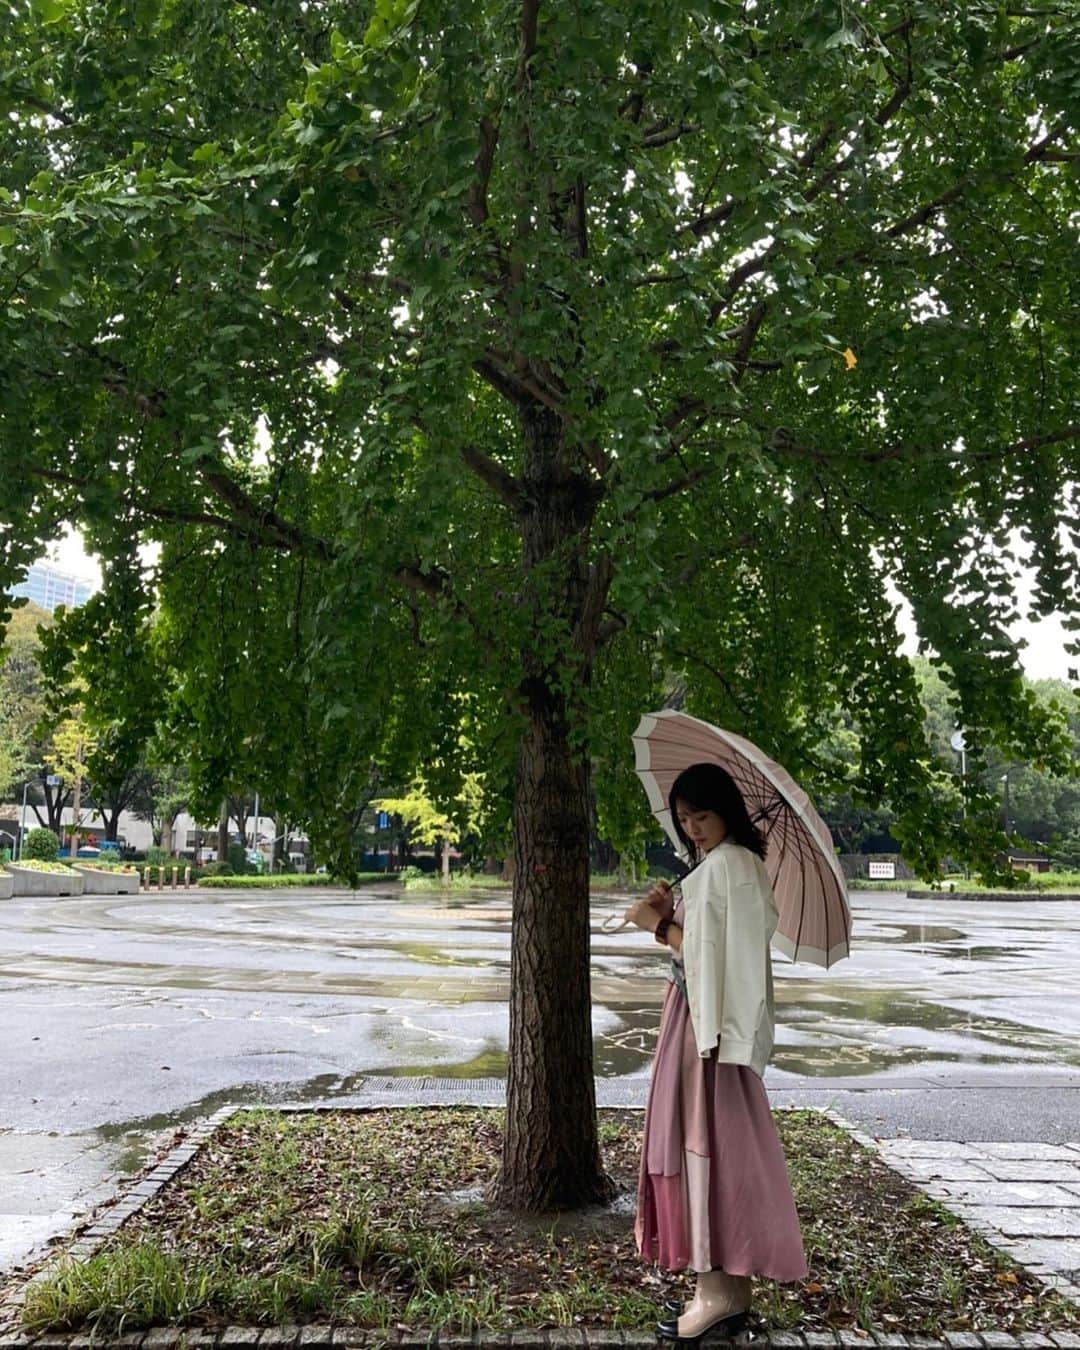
(476, 364)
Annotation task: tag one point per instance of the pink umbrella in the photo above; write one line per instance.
(811, 896)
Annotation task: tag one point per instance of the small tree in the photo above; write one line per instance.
(42, 845)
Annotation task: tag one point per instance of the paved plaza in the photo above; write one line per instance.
(953, 1027)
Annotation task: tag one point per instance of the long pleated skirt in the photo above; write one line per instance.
(714, 1192)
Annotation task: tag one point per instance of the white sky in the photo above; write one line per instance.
(1043, 658)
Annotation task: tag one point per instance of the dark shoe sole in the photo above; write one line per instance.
(724, 1327)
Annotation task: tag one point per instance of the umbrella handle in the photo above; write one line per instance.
(606, 926)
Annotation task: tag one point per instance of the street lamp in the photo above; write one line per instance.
(1005, 799)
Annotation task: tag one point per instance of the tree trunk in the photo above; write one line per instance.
(445, 859)
(551, 1155)
(223, 832)
(167, 835)
(76, 813)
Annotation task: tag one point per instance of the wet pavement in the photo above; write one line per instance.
(122, 1016)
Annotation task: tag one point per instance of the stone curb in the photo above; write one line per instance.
(89, 1240)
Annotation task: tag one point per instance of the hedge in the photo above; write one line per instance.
(284, 880)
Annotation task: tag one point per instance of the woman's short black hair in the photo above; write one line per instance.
(708, 787)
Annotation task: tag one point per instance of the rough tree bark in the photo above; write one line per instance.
(551, 1156)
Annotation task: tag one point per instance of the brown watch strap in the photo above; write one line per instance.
(661, 931)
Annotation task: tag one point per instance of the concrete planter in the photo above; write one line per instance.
(7, 884)
(29, 882)
(99, 881)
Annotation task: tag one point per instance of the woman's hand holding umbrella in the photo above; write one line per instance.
(647, 913)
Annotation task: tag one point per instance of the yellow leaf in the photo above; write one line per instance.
(851, 359)
(352, 173)
(1006, 1277)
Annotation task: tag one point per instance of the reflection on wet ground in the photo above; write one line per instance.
(418, 985)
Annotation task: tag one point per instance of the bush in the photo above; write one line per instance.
(155, 855)
(217, 869)
(238, 861)
(285, 880)
(41, 844)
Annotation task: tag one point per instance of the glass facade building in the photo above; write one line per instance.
(49, 586)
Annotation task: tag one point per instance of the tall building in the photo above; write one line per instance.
(49, 586)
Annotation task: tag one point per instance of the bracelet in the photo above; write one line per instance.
(661, 931)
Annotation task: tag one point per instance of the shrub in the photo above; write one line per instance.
(41, 844)
(238, 860)
(286, 880)
(217, 869)
(155, 855)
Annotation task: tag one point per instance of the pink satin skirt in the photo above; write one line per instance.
(714, 1192)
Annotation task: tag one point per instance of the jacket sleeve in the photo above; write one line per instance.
(744, 1002)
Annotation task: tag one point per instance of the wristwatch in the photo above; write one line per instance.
(661, 930)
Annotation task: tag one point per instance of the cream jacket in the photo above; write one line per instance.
(729, 917)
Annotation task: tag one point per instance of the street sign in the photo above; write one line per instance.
(384, 820)
(53, 780)
(882, 871)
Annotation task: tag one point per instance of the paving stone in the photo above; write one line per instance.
(198, 1338)
(238, 1338)
(1025, 1220)
(790, 1340)
(565, 1338)
(891, 1340)
(317, 1333)
(926, 1148)
(1032, 1340)
(602, 1338)
(1018, 1149)
(1012, 1193)
(162, 1338)
(998, 1340)
(962, 1340)
(279, 1338)
(459, 1341)
(531, 1339)
(854, 1339)
(1065, 1340)
(1003, 1169)
(923, 1343)
(821, 1340)
(944, 1169)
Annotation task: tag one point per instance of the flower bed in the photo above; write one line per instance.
(34, 877)
(108, 880)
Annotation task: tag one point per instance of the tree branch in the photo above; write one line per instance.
(503, 483)
(477, 207)
(653, 139)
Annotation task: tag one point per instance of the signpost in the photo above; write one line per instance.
(882, 871)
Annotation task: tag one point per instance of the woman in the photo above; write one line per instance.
(714, 1193)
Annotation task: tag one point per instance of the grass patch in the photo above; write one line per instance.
(376, 1219)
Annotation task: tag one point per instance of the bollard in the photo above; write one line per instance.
(160, 878)
(175, 872)
(187, 878)
(146, 878)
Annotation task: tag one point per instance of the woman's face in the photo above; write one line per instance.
(705, 828)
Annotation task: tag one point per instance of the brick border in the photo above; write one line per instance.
(108, 1220)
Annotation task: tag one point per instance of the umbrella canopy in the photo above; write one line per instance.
(811, 895)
